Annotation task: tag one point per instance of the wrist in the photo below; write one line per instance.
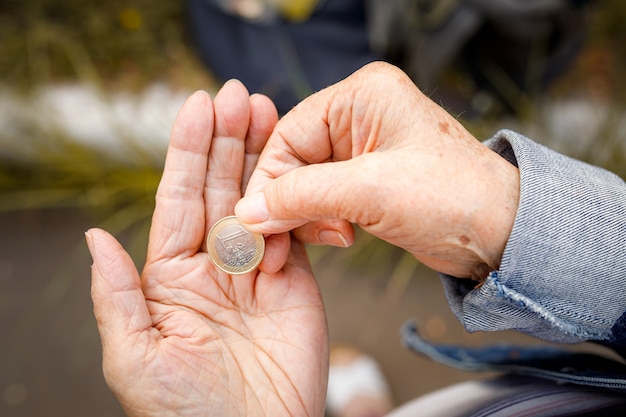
(499, 210)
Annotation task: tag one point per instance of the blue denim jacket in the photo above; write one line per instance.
(562, 276)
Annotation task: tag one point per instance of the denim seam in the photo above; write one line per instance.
(522, 301)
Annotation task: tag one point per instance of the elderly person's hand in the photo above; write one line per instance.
(184, 338)
(375, 151)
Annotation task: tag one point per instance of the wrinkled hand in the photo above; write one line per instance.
(373, 150)
(184, 338)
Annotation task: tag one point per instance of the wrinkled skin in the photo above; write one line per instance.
(183, 338)
(375, 151)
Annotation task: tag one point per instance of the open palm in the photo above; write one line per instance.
(185, 338)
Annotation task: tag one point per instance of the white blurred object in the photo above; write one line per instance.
(136, 126)
(123, 126)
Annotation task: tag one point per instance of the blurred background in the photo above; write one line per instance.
(89, 91)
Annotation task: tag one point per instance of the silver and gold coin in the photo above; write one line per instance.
(232, 248)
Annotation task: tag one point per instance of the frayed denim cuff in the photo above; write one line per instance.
(562, 276)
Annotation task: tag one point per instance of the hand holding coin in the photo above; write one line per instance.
(374, 150)
(175, 335)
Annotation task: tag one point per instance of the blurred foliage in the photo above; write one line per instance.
(114, 44)
(117, 196)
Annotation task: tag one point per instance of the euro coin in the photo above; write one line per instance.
(232, 248)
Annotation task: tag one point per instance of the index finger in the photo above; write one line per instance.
(178, 221)
(300, 138)
(338, 123)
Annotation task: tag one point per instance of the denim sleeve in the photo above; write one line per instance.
(562, 276)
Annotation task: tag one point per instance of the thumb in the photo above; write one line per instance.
(119, 304)
(327, 191)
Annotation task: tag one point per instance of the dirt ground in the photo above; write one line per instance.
(50, 363)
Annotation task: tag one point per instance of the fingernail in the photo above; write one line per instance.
(252, 209)
(333, 238)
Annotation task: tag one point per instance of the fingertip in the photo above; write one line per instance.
(344, 231)
(234, 84)
(93, 240)
(252, 210)
(232, 110)
(233, 81)
(263, 118)
(333, 238)
(89, 240)
(200, 94)
(276, 253)
(198, 97)
(110, 260)
(193, 125)
(339, 233)
(264, 105)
